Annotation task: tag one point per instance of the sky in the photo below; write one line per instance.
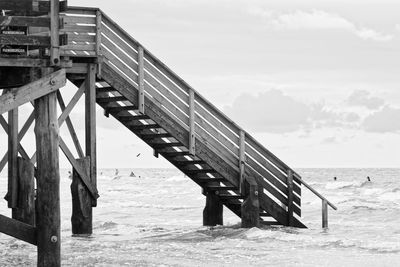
(317, 82)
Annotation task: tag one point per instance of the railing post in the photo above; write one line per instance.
(141, 79)
(324, 214)
(290, 198)
(242, 158)
(98, 41)
(192, 134)
(54, 32)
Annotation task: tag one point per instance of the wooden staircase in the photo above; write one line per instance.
(179, 124)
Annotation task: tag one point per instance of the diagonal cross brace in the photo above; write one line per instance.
(34, 90)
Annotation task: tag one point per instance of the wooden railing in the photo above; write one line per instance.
(153, 79)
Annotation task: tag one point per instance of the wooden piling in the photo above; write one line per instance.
(213, 211)
(251, 205)
(324, 214)
(290, 198)
(25, 212)
(81, 218)
(12, 195)
(90, 124)
(48, 181)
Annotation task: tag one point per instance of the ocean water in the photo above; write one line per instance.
(156, 220)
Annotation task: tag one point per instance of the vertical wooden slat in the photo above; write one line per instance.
(90, 123)
(324, 213)
(48, 180)
(54, 32)
(290, 197)
(98, 41)
(192, 134)
(98, 32)
(141, 79)
(242, 158)
(12, 158)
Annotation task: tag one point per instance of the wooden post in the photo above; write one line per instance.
(90, 124)
(54, 32)
(81, 202)
(213, 211)
(251, 205)
(324, 214)
(192, 135)
(242, 158)
(12, 195)
(26, 193)
(141, 79)
(48, 180)
(290, 198)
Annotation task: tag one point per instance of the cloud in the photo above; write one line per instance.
(362, 98)
(317, 20)
(275, 112)
(383, 121)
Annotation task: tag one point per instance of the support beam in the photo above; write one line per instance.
(213, 211)
(324, 214)
(19, 230)
(242, 158)
(90, 125)
(141, 79)
(290, 198)
(82, 174)
(12, 195)
(54, 32)
(70, 126)
(25, 212)
(251, 205)
(192, 133)
(21, 135)
(48, 181)
(27, 93)
(82, 215)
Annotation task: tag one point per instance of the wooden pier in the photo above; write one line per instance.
(45, 43)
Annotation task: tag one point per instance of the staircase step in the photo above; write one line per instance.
(265, 214)
(119, 109)
(143, 127)
(198, 171)
(174, 154)
(154, 136)
(165, 145)
(231, 197)
(188, 162)
(105, 89)
(209, 180)
(221, 188)
(133, 118)
(111, 99)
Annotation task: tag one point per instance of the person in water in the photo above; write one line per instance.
(368, 179)
(334, 178)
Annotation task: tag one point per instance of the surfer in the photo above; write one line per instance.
(368, 179)
(132, 175)
(69, 175)
(334, 178)
(116, 172)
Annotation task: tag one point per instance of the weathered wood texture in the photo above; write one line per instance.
(25, 212)
(48, 181)
(90, 124)
(17, 229)
(251, 205)
(12, 195)
(81, 218)
(213, 211)
(27, 93)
